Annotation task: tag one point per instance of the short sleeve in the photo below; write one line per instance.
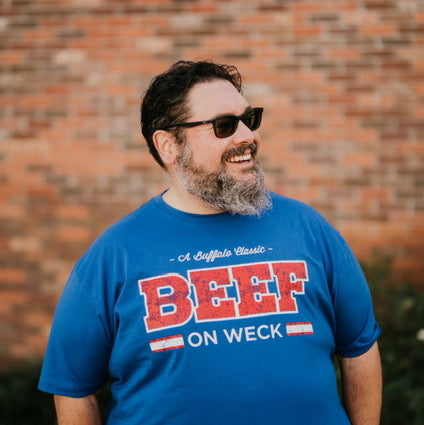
(356, 328)
(76, 360)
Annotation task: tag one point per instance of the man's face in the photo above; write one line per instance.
(221, 171)
(210, 100)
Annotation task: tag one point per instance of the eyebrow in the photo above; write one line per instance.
(196, 123)
(248, 108)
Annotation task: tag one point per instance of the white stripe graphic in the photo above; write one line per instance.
(167, 343)
(299, 328)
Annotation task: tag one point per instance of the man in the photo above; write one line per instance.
(216, 302)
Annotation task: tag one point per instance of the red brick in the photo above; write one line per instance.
(359, 159)
(379, 29)
(72, 212)
(343, 53)
(74, 234)
(9, 299)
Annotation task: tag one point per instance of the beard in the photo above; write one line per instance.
(219, 189)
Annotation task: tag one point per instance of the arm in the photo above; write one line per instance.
(77, 411)
(362, 386)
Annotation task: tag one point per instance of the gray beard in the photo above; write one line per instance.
(222, 191)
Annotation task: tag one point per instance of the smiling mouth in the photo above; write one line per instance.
(240, 158)
(241, 154)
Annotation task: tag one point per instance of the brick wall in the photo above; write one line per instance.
(341, 82)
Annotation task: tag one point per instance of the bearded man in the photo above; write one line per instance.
(216, 302)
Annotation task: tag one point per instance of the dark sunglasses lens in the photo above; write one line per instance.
(225, 126)
(252, 119)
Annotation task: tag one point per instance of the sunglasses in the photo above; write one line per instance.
(226, 125)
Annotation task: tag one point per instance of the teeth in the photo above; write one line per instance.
(240, 158)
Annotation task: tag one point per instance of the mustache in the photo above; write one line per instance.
(240, 150)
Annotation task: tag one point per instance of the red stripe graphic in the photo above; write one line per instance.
(299, 328)
(166, 343)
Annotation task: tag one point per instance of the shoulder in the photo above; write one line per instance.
(115, 239)
(135, 220)
(294, 208)
(304, 220)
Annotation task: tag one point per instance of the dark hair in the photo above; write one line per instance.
(165, 101)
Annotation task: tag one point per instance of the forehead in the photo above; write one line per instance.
(216, 97)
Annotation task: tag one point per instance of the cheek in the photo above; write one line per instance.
(210, 157)
(206, 149)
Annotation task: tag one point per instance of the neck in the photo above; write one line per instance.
(178, 198)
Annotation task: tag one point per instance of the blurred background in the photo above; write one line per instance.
(342, 84)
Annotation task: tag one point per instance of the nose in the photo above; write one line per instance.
(244, 134)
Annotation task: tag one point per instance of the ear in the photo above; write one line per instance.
(166, 145)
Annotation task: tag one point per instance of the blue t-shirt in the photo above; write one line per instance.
(212, 319)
